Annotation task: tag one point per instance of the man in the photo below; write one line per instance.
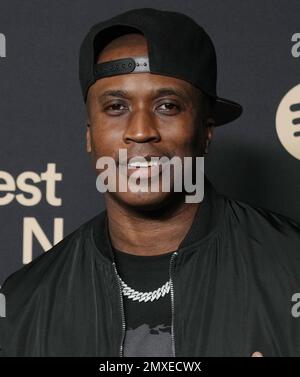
(154, 275)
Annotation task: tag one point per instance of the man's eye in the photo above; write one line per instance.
(115, 107)
(169, 107)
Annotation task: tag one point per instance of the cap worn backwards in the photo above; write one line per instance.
(177, 47)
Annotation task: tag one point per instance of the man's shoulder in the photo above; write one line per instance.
(49, 263)
(260, 218)
(268, 232)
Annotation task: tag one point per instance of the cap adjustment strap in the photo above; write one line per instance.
(136, 64)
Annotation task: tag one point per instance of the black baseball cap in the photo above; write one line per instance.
(177, 47)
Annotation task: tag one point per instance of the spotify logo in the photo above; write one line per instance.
(288, 122)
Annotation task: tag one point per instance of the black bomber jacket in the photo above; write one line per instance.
(233, 280)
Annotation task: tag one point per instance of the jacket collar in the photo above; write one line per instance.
(206, 223)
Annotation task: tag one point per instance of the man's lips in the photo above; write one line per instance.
(146, 166)
(140, 160)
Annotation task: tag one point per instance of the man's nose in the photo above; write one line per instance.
(141, 128)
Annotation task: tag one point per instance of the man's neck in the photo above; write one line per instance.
(149, 232)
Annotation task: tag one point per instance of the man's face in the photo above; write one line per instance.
(143, 113)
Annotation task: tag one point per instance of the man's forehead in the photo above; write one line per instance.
(143, 85)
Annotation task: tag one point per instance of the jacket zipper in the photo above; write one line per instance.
(172, 303)
(122, 312)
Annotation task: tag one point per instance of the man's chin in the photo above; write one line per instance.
(144, 201)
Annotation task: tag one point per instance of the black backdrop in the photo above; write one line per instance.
(43, 117)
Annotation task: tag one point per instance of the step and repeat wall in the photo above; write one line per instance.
(47, 182)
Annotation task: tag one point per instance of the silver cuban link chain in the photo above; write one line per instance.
(144, 296)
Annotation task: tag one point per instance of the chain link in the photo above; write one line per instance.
(144, 296)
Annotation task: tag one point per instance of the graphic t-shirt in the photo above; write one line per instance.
(148, 324)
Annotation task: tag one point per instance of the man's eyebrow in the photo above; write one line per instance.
(114, 93)
(165, 91)
(172, 91)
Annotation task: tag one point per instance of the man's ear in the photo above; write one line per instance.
(88, 138)
(209, 126)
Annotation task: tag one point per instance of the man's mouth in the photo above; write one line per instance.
(146, 166)
(141, 164)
